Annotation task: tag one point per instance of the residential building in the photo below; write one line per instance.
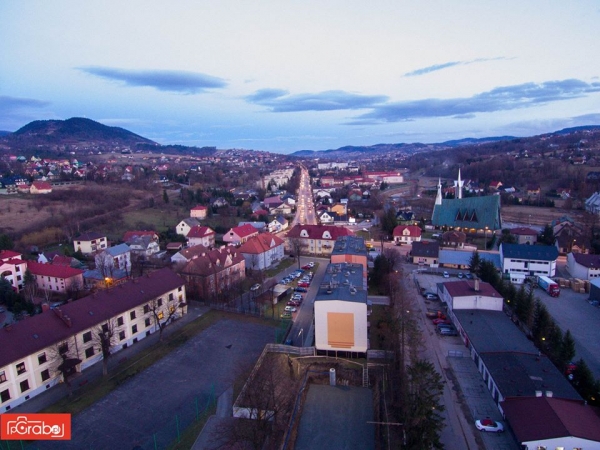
(352, 250)
(89, 243)
(277, 225)
(40, 187)
(547, 422)
(240, 234)
(187, 254)
(213, 272)
(406, 234)
(592, 204)
(56, 278)
(583, 266)
(262, 251)
(199, 235)
(315, 239)
(186, 225)
(470, 294)
(199, 212)
(13, 268)
(143, 246)
(341, 312)
(454, 239)
(520, 261)
(425, 253)
(117, 257)
(31, 367)
(524, 235)
(130, 235)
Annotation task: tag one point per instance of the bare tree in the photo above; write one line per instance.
(163, 312)
(105, 265)
(296, 246)
(64, 361)
(105, 337)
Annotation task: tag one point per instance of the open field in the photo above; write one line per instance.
(531, 215)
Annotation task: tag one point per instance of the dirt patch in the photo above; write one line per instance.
(531, 215)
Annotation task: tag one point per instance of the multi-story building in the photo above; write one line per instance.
(200, 235)
(56, 278)
(89, 243)
(520, 261)
(33, 349)
(351, 249)
(315, 239)
(240, 234)
(262, 251)
(13, 268)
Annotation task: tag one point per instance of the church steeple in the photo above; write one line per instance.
(458, 184)
(438, 197)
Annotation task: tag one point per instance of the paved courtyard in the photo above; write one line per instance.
(147, 405)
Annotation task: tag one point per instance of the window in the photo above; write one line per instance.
(134, 329)
(63, 348)
(147, 322)
(121, 335)
(120, 321)
(4, 396)
(87, 337)
(105, 328)
(146, 309)
(24, 385)
(89, 352)
(160, 302)
(42, 358)
(171, 297)
(132, 315)
(179, 289)
(21, 368)
(160, 315)
(18, 277)
(45, 375)
(2, 377)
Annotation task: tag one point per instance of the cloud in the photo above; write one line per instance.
(278, 100)
(8, 104)
(436, 67)
(499, 99)
(163, 80)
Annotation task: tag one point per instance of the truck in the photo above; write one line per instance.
(549, 285)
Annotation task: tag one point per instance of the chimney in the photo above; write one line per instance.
(45, 307)
(549, 394)
(67, 320)
(477, 284)
(538, 393)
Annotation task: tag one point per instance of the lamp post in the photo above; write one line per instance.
(485, 237)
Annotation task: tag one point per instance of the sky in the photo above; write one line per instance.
(283, 76)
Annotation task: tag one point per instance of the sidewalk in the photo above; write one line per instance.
(117, 362)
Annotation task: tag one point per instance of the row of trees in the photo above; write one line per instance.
(533, 317)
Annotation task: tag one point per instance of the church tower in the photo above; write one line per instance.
(438, 197)
(458, 184)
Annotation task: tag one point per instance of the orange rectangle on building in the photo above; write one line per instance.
(35, 427)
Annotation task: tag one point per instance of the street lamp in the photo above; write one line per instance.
(485, 237)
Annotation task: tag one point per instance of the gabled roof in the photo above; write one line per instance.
(117, 250)
(470, 212)
(244, 230)
(523, 231)
(260, 244)
(413, 230)
(190, 221)
(589, 261)
(318, 232)
(9, 254)
(540, 418)
(213, 261)
(199, 208)
(51, 270)
(43, 330)
(200, 232)
(91, 236)
(129, 235)
(530, 252)
(41, 185)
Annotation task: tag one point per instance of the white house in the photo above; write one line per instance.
(240, 234)
(13, 268)
(583, 265)
(117, 257)
(520, 261)
(186, 225)
(199, 212)
(56, 278)
(199, 235)
(471, 294)
(341, 311)
(407, 234)
(262, 251)
(31, 367)
(143, 245)
(89, 243)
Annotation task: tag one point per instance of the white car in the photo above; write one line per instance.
(289, 309)
(255, 287)
(489, 425)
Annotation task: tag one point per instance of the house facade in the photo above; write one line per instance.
(583, 266)
(200, 235)
(240, 234)
(186, 225)
(406, 234)
(144, 246)
(425, 253)
(315, 239)
(31, 367)
(56, 278)
(13, 268)
(117, 257)
(199, 212)
(262, 251)
(520, 261)
(89, 243)
(40, 187)
(524, 235)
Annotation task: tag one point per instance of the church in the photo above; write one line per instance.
(470, 215)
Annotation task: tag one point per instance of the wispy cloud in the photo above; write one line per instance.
(9, 104)
(499, 99)
(436, 67)
(278, 100)
(163, 80)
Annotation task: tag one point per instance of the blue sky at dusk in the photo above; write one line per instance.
(284, 76)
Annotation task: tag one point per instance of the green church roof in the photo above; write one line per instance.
(470, 212)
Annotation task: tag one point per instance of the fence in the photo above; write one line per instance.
(198, 408)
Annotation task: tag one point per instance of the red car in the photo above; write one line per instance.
(440, 320)
(304, 285)
(293, 303)
(439, 316)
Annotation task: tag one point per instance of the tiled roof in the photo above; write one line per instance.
(260, 244)
(244, 230)
(523, 231)
(41, 185)
(589, 261)
(318, 231)
(46, 329)
(530, 252)
(129, 235)
(413, 230)
(117, 250)
(199, 208)
(426, 249)
(540, 418)
(470, 212)
(213, 261)
(9, 254)
(199, 232)
(467, 288)
(51, 270)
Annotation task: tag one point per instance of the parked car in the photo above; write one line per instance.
(446, 274)
(303, 284)
(469, 276)
(301, 289)
(431, 297)
(286, 315)
(441, 320)
(433, 313)
(444, 331)
(293, 303)
(255, 287)
(489, 425)
(460, 275)
(289, 309)
(440, 315)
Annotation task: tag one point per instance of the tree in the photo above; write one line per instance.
(488, 273)
(296, 247)
(567, 351)
(547, 236)
(423, 422)
(64, 360)
(585, 384)
(6, 243)
(164, 312)
(105, 338)
(507, 238)
(105, 265)
(165, 196)
(474, 263)
(388, 220)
